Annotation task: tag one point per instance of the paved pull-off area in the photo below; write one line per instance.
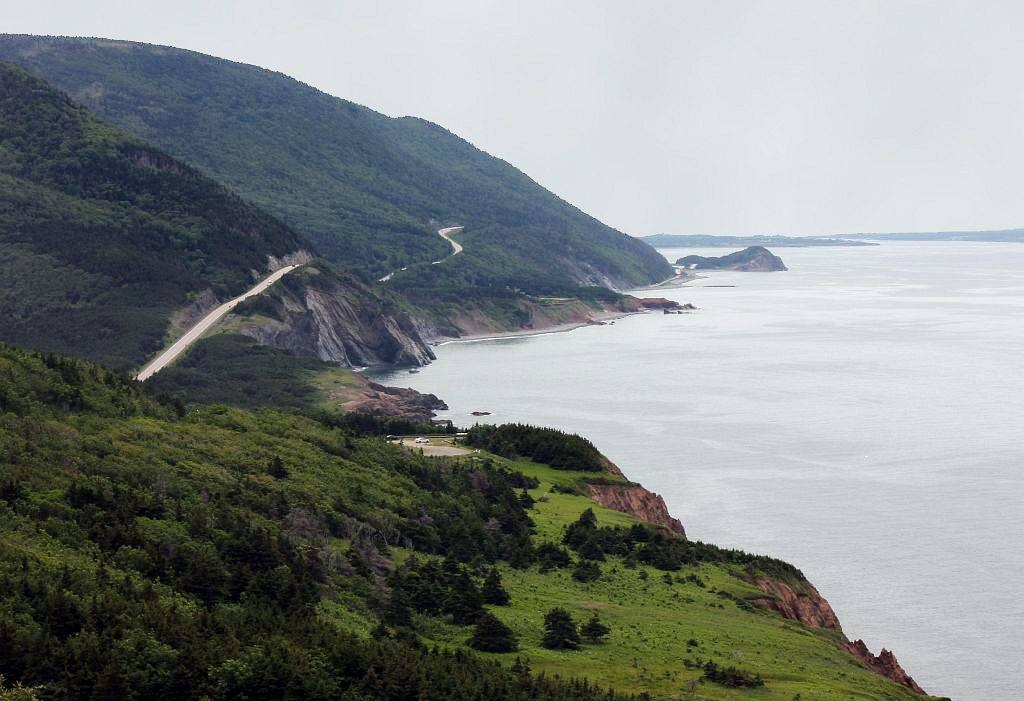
(436, 447)
(193, 334)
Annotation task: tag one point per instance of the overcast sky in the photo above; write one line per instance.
(681, 117)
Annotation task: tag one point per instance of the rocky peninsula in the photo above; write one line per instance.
(754, 259)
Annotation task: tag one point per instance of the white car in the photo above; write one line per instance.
(422, 440)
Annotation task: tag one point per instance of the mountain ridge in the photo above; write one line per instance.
(111, 244)
(366, 188)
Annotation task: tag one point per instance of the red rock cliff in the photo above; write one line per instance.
(804, 603)
(808, 606)
(885, 663)
(637, 501)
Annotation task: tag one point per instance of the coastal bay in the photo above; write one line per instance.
(854, 416)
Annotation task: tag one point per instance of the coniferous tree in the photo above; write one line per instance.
(582, 530)
(493, 592)
(550, 557)
(560, 631)
(586, 571)
(276, 468)
(464, 601)
(396, 610)
(521, 553)
(594, 630)
(591, 549)
(491, 635)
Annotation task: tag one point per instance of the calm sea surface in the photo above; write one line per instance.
(860, 416)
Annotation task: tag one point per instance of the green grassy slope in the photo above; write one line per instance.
(146, 552)
(369, 190)
(103, 236)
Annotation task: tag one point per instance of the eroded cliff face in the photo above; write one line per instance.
(809, 607)
(395, 401)
(885, 663)
(478, 318)
(338, 320)
(637, 501)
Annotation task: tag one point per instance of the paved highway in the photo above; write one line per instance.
(192, 335)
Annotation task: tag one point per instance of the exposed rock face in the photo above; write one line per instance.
(637, 501)
(755, 259)
(337, 320)
(185, 318)
(808, 606)
(885, 663)
(529, 315)
(397, 401)
(658, 303)
(296, 258)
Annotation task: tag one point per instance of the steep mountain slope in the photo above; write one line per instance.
(368, 190)
(105, 238)
(151, 553)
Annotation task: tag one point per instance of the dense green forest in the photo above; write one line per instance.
(103, 236)
(561, 450)
(370, 191)
(146, 553)
(234, 369)
(149, 550)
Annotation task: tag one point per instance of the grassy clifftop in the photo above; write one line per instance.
(150, 552)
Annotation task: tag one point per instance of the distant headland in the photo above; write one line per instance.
(755, 259)
(686, 240)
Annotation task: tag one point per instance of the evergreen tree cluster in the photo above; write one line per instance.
(730, 676)
(561, 632)
(650, 545)
(563, 451)
(442, 588)
(93, 635)
(146, 552)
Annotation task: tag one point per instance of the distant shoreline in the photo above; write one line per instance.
(680, 279)
(598, 319)
(708, 241)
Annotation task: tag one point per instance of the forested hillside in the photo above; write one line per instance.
(103, 236)
(104, 239)
(370, 191)
(149, 552)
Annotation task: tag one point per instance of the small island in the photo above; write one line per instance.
(755, 259)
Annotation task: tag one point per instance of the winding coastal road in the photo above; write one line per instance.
(169, 355)
(446, 234)
(192, 335)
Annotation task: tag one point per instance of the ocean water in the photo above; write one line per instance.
(859, 416)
